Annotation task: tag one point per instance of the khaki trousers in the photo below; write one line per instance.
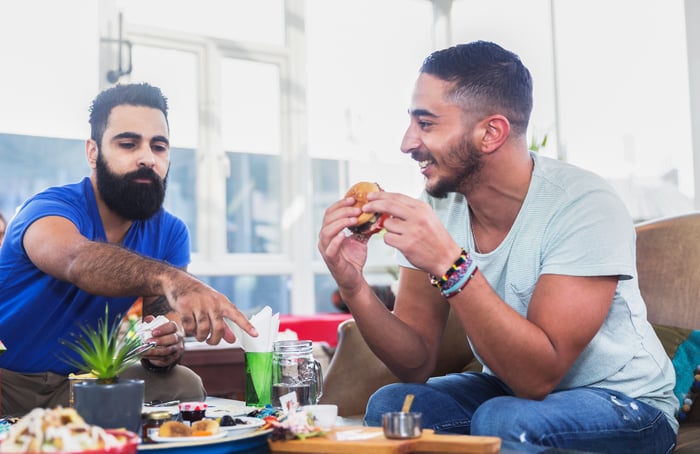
(23, 392)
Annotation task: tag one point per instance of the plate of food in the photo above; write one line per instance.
(249, 443)
(192, 438)
(239, 424)
(64, 430)
(205, 429)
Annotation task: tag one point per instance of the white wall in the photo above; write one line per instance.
(48, 66)
(622, 75)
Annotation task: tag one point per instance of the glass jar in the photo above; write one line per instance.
(192, 411)
(152, 422)
(294, 370)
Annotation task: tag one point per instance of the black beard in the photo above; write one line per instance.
(468, 167)
(134, 201)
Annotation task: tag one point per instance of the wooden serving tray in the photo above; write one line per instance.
(354, 439)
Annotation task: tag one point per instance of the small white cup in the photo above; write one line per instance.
(324, 415)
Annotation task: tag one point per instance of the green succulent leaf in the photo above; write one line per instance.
(104, 350)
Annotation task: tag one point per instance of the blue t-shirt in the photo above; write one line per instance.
(37, 311)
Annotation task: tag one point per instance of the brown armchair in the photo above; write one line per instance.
(668, 262)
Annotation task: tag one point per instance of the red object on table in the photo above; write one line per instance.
(317, 327)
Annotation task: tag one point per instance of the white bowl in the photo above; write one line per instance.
(324, 415)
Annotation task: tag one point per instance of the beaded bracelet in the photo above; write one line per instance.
(441, 281)
(465, 277)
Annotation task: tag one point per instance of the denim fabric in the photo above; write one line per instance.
(585, 419)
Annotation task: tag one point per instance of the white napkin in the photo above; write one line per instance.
(144, 330)
(266, 323)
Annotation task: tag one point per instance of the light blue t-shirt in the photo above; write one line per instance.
(37, 310)
(573, 223)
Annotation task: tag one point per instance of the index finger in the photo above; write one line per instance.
(343, 208)
(391, 203)
(235, 316)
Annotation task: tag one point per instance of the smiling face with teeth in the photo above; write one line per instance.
(439, 137)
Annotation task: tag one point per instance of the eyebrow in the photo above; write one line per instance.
(133, 135)
(421, 113)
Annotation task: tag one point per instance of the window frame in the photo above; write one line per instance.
(211, 259)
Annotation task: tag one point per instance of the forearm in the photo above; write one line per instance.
(393, 341)
(532, 354)
(514, 349)
(110, 270)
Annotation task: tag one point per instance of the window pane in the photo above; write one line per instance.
(181, 197)
(251, 293)
(250, 106)
(30, 164)
(327, 190)
(157, 66)
(175, 73)
(253, 211)
(324, 288)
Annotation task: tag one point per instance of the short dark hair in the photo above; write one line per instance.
(487, 78)
(141, 94)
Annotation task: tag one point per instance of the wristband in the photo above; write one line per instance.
(462, 282)
(444, 280)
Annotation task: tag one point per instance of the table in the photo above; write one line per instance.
(321, 327)
(351, 440)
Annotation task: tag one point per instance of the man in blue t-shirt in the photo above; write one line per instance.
(71, 250)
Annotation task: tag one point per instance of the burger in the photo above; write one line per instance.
(367, 223)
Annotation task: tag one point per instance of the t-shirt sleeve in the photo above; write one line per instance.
(592, 236)
(177, 250)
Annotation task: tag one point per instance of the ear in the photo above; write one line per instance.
(91, 152)
(495, 131)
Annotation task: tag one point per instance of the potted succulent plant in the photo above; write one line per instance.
(104, 352)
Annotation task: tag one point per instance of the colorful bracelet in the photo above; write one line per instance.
(464, 279)
(443, 280)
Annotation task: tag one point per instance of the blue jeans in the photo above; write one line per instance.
(585, 419)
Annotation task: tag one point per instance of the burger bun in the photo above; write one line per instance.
(367, 223)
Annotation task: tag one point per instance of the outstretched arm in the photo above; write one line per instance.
(57, 248)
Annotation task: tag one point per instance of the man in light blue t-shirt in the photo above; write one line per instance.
(535, 257)
(71, 250)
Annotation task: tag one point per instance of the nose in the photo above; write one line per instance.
(411, 140)
(147, 157)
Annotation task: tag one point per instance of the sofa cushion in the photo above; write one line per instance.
(683, 347)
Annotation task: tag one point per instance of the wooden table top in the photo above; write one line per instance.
(354, 439)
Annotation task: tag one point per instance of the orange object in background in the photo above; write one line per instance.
(136, 310)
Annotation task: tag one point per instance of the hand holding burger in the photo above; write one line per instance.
(367, 223)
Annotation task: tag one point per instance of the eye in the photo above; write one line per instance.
(424, 124)
(159, 147)
(127, 145)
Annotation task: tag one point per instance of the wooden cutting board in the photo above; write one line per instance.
(351, 440)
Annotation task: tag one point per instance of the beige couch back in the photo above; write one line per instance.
(668, 262)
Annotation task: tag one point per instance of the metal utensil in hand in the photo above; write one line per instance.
(141, 349)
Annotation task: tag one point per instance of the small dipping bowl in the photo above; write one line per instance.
(398, 424)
